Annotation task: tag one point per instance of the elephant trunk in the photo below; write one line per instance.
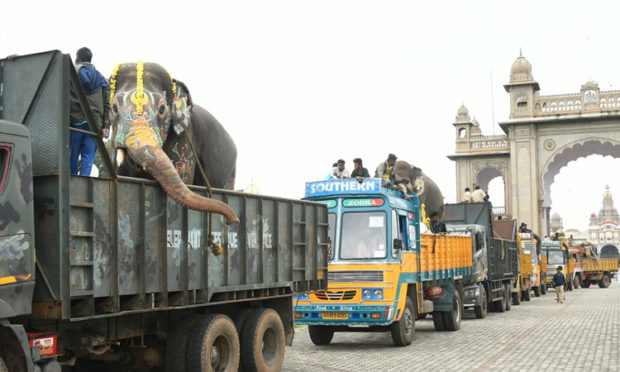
(144, 149)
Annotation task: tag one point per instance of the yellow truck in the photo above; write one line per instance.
(530, 257)
(597, 270)
(556, 252)
(384, 273)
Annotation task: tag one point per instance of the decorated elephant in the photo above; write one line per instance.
(152, 119)
(430, 195)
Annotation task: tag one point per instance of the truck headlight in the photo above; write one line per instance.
(366, 294)
(378, 294)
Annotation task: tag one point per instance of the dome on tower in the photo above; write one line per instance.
(521, 70)
(463, 114)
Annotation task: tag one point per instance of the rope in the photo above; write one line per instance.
(215, 248)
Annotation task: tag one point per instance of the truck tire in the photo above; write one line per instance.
(516, 298)
(213, 345)
(543, 289)
(537, 291)
(438, 321)
(402, 331)
(452, 319)
(321, 335)
(585, 283)
(527, 295)
(263, 342)
(604, 282)
(176, 344)
(481, 310)
(240, 317)
(500, 305)
(507, 294)
(11, 358)
(3, 366)
(569, 284)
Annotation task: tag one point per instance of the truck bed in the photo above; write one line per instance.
(601, 264)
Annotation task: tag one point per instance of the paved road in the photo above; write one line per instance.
(581, 334)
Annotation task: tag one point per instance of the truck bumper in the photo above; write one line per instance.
(344, 315)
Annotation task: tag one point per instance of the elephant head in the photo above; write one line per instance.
(148, 106)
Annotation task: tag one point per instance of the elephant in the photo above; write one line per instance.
(150, 111)
(430, 195)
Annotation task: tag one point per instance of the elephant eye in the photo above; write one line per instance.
(162, 109)
(115, 108)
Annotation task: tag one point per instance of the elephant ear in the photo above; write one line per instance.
(181, 108)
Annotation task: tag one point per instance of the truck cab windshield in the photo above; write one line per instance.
(363, 235)
(555, 257)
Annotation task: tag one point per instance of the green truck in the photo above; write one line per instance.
(112, 274)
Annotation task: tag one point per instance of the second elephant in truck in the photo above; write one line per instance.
(430, 195)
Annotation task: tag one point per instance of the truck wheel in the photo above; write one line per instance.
(3, 367)
(537, 291)
(263, 341)
(321, 335)
(604, 282)
(507, 300)
(11, 358)
(481, 310)
(500, 305)
(576, 282)
(213, 345)
(543, 289)
(516, 298)
(176, 345)
(402, 331)
(240, 317)
(527, 295)
(569, 284)
(585, 283)
(438, 321)
(452, 318)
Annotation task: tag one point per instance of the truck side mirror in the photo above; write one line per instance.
(398, 244)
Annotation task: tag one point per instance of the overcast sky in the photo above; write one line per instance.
(300, 84)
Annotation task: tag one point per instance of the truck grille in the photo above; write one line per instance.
(334, 295)
(354, 276)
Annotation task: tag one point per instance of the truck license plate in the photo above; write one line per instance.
(335, 315)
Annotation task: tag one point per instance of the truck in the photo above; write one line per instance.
(492, 288)
(383, 273)
(590, 268)
(557, 254)
(530, 249)
(112, 274)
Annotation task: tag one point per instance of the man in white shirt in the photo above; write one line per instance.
(340, 171)
(467, 195)
(478, 195)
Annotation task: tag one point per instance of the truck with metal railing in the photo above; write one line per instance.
(498, 258)
(111, 273)
(383, 273)
(530, 247)
(590, 268)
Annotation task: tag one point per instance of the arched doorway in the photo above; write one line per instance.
(565, 155)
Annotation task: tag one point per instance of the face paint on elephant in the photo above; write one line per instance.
(146, 105)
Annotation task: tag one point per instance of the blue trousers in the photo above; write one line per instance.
(82, 145)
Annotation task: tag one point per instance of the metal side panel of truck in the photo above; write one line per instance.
(120, 266)
(383, 273)
(493, 291)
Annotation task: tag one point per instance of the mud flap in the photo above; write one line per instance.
(444, 303)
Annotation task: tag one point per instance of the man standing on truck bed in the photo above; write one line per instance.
(96, 88)
(559, 282)
(478, 196)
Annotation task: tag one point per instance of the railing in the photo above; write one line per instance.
(499, 211)
(572, 103)
(499, 142)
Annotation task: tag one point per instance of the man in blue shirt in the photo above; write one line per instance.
(96, 89)
(559, 282)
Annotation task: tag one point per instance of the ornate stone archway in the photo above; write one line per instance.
(542, 135)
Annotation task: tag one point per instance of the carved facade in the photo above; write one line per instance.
(604, 228)
(542, 134)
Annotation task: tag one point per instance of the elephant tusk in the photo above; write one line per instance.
(120, 157)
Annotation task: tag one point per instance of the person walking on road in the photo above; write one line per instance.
(559, 282)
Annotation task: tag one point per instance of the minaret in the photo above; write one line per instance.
(522, 88)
